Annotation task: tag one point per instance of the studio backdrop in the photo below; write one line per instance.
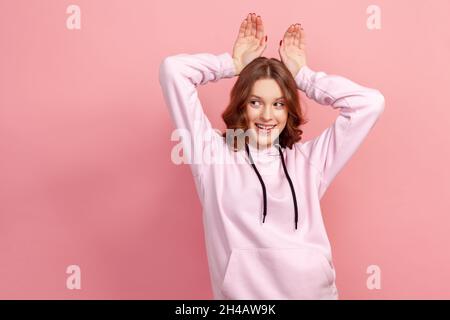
(92, 205)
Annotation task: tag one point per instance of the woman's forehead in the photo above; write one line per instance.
(267, 89)
(266, 98)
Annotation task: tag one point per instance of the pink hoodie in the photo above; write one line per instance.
(249, 258)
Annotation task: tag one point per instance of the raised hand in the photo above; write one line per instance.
(292, 49)
(250, 43)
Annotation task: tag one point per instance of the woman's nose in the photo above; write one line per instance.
(266, 113)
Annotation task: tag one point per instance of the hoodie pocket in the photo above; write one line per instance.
(278, 273)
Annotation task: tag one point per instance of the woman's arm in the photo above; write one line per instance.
(359, 107)
(179, 76)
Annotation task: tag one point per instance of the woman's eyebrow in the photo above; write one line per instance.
(254, 95)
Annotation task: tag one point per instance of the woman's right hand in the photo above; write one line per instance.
(292, 49)
(250, 43)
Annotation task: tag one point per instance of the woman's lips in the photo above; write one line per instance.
(264, 129)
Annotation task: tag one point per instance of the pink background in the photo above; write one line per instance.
(85, 170)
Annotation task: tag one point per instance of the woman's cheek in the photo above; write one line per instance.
(253, 112)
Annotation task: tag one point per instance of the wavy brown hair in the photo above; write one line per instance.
(234, 115)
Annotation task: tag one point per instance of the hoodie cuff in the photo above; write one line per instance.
(303, 77)
(227, 65)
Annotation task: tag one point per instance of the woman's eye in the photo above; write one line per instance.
(281, 105)
(252, 102)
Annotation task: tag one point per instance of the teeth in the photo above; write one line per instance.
(265, 127)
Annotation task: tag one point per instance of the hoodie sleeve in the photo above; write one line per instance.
(179, 76)
(359, 109)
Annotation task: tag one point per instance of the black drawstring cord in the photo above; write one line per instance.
(291, 185)
(264, 187)
(260, 180)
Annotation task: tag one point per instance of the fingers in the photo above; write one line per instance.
(248, 27)
(291, 35)
(286, 37)
(259, 29)
(252, 26)
(242, 28)
(302, 43)
(253, 32)
(294, 35)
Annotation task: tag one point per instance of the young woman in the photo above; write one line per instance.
(264, 233)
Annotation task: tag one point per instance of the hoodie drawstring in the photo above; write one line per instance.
(264, 187)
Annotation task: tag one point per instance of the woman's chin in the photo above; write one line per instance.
(262, 138)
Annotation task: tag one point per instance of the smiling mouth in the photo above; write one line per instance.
(264, 129)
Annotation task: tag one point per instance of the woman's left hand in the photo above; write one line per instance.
(292, 49)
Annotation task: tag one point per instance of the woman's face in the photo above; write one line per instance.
(266, 109)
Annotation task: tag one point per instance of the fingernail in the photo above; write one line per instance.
(281, 41)
(266, 38)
